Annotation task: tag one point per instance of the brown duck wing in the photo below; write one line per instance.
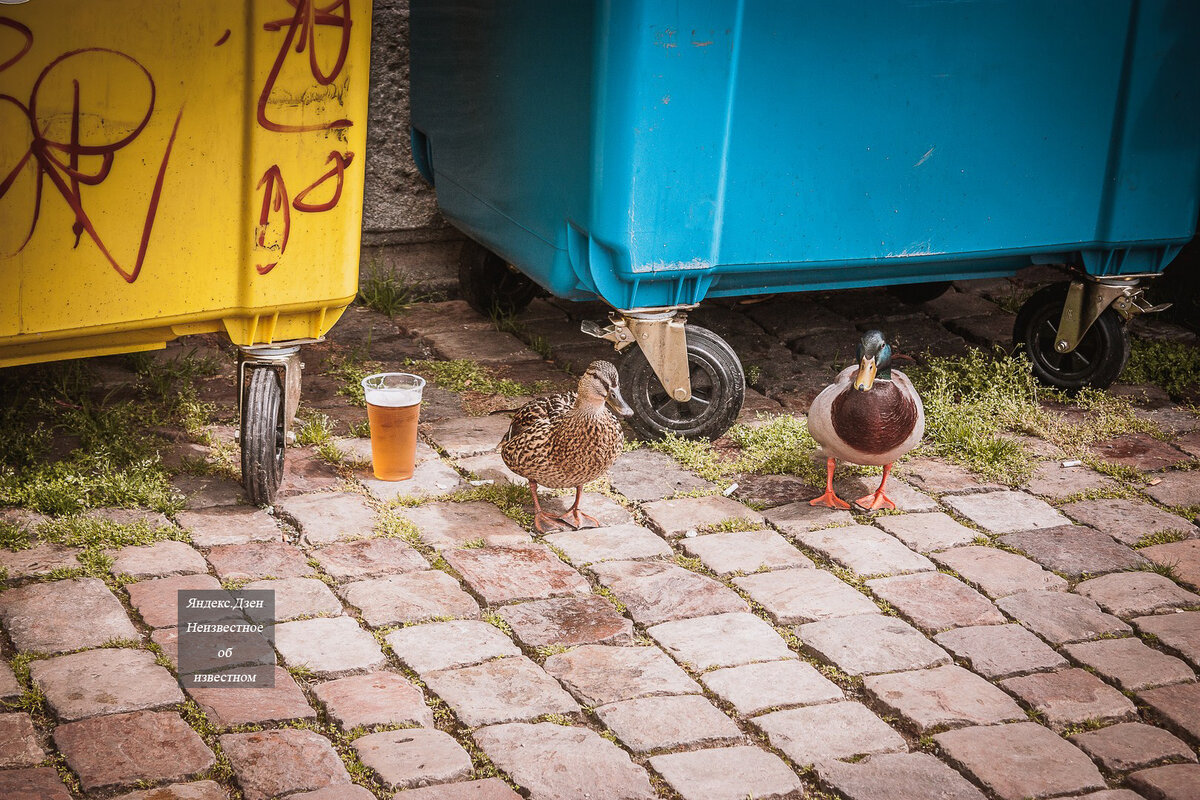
(539, 411)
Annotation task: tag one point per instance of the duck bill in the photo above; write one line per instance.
(864, 379)
(617, 404)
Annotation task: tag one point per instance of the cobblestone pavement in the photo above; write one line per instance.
(989, 641)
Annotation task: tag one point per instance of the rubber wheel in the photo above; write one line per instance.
(718, 389)
(489, 284)
(1097, 361)
(914, 294)
(263, 438)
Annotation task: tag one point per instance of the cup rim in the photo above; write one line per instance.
(420, 382)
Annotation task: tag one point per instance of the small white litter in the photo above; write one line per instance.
(1074, 462)
(733, 487)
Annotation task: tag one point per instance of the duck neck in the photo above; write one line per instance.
(588, 405)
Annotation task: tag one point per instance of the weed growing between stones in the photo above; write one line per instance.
(316, 430)
(387, 293)
(510, 498)
(1173, 366)
(1161, 537)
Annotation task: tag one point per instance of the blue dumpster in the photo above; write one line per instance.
(653, 153)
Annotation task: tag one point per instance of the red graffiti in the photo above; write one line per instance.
(340, 162)
(26, 34)
(275, 199)
(302, 30)
(59, 160)
(222, 40)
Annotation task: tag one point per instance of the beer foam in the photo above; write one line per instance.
(393, 398)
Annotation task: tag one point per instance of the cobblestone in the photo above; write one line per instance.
(238, 562)
(200, 790)
(157, 601)
(934, 601)
(119, 750)
(330, 516)
(415, 757)
(727, 773)
(1172, 782)
(660, 723)
(1176, 488)
(804, 595)
(597, 674)
(1051, 479)
(9, 687)
(1179, 632)
(468, 436)
(655, 592)
(724, 640)
(271, 763)
(567, 621)
(1126, 521)
(1132, 745)
(445, 645)
(865, 550)
(644, 475)
(227, 707)
(431, 478)
(1000, 651)
(897, 776)
(508, 574)
(904, 496)
(754, 688)
(1070, 697)
(797, 518)
(411, 597)
(368, 558)
(928, 532)
(1130, 664)
(941, 477)
(674, 518)
(157, 560)
(40, 559)
(616, 543)
(1060, 617)
(1135, 594)
(945, 697)
(607, 511)
(104, 681)
(40, 783)
(1138, 450)
(745, 551)
(208, 491)
(1074, 550)
(486, 789)
(1006, 511)
(210, 527)
(446, 525)
(19, 742)
(377, 698)
(60, 616)
(295, 597)
(998, 573)
(505, 690)
(330, 647)
(1179, 706)
(1182, 557)
(870, 644)
(847, 729)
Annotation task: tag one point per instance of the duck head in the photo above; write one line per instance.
(874, 358)
(600, 385)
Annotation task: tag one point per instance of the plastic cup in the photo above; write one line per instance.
(393, 406)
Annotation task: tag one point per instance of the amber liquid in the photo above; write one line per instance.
(393, 440)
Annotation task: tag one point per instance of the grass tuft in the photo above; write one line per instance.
(1174, 366)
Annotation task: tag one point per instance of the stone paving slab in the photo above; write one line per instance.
(1074, 550)
(295, 597)
(768, 491)
(1070, 697)
(218, 525)
(1132, 745)
(415, 757)
(927, 533)
(227, 707)
(1138, 450)
(1136, 594)
(1051, 479)
(446, 525)
(1176, 488)
(1107, 794)
(39, 783)
(644, 475)
(40, 559)
(1178, 706)
(674, 518)
(131, 516)
(445, 645)
(655, 592)
(607, 511)
(489, 467)
(238, 562)
(745, 552)
(1126, 521)
(508, 574)
(598, 674)
(304, 472)
(847, 729)
(871, 644)
(723, 640)
(1179, 632)
(368, 558)
(934, 601)
(865, 550)
(942, 477)
(330, 647)
(486, 789)
(432, 478)
(727, 773)
(208, 491)
(157, 560)
(1183, 557)
(1129, 664)
(330, 516)
(555, 762)
(1000, 651)
(271, 763)
(754, 688)
(615, 543)
(1061, 617)
(411, 597)
(157, 600)
(1172, 782)
(60, 616)
(10, 689)
(803, 595)
(663, 723)
(797, 518)
(377, 698)
(1021, 760)
(897, 776)
(119, 750)
(468, 436)
(1006, 511)
(944, 697)
(998, 573)
(567, 621)
(200, 790)
(506, 690)
(19, 741)
(104, 681)
(906, 498)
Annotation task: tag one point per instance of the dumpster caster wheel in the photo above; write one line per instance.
(718, 389)
(913, 294)
(489, 284)
(1097, 361)
(263, 436)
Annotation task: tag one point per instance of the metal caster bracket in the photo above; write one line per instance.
(661, 336)
(1088, 299)
(285, 359)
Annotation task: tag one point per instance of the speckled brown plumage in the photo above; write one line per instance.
(554, 442)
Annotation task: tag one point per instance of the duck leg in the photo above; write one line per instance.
(539, 516)
(574, 517)
(829, 498)
(877, 500)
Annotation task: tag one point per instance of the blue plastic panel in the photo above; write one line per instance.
(652, 153)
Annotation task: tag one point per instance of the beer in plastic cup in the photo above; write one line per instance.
(393, 405)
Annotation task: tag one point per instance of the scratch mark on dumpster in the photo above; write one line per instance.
(224, 38)
(25, 33)
(925, 157)
(59, 161)
(302, 30)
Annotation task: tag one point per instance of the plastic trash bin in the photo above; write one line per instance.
(653, 153)
(171, 168)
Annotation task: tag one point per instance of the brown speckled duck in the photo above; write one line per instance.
(567, 439)
(870, 415)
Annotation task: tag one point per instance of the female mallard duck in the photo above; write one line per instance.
(568, 439)
(870, 415)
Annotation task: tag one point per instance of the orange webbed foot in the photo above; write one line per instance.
(829, 499)
(874, 501)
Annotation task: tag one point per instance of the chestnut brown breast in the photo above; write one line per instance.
(874, 421)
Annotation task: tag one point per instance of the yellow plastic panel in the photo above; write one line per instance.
(175, 164)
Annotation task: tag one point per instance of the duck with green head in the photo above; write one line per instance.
(870, 415)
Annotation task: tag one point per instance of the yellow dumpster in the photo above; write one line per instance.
(177, 168)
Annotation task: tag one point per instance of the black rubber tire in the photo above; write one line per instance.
(1097, 361)
(263, 437)
(489, 284)
(718, 390)
(914, 294)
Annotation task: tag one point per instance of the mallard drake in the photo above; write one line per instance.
(870, 415)
(567, 439)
